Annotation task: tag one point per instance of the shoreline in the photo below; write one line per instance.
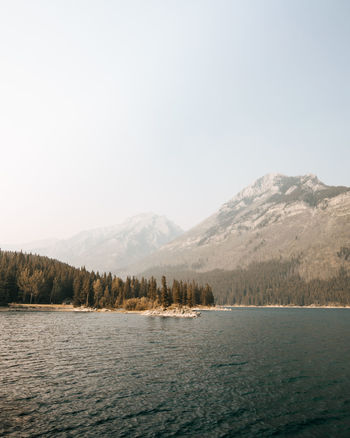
(282, 306)
(19, 307)
(183, 312)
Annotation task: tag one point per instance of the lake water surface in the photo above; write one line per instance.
(245, 373)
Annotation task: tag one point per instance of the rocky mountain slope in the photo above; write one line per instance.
(110, 248)
(277, 217)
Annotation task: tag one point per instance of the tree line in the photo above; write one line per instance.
(28, 278)
(33, 279)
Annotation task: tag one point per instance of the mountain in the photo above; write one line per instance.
(109, 248)
(29, 246)
(277, 217)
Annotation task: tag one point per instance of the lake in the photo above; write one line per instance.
(245, 373)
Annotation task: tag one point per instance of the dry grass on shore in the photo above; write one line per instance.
(41, 307)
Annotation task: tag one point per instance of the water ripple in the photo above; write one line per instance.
(252, 373)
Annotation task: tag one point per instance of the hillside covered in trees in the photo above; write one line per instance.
(278, 282)
(27, 278)
(274, 282)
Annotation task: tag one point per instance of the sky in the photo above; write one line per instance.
(113, 108)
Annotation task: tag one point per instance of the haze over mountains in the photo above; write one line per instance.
(109, 248)
(276, 217)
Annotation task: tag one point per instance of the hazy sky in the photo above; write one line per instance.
(112, 108)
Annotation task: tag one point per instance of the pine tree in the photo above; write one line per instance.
(164, 296)
(127, 289)
(152, 289)
(77, 285)
(176, 292)
(98, 292)
(190, 295)
(115, 287)
(56, 291)
(86, 292)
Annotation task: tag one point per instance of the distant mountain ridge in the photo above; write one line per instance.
(109, 248)
(276, 217)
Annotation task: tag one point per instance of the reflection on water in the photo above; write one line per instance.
(249, 372)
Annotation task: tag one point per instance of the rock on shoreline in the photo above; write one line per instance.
(83, 309)
(175, 313)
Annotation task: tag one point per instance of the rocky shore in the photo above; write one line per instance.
(176, 312)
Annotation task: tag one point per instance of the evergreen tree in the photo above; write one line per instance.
(127, 289)
(164, 296)
(77, 285)
(189, 300)
(176, 292)
(56, 291)
(152, 289)
(86, 292)
(98, 292)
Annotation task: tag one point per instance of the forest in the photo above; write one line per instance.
(274, 282)
(27, 278)
(278, 283)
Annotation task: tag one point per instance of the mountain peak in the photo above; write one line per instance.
(268, 200)
(267, 183)
(159, 224)
(277, 183)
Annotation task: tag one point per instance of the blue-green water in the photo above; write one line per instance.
(245, 373)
